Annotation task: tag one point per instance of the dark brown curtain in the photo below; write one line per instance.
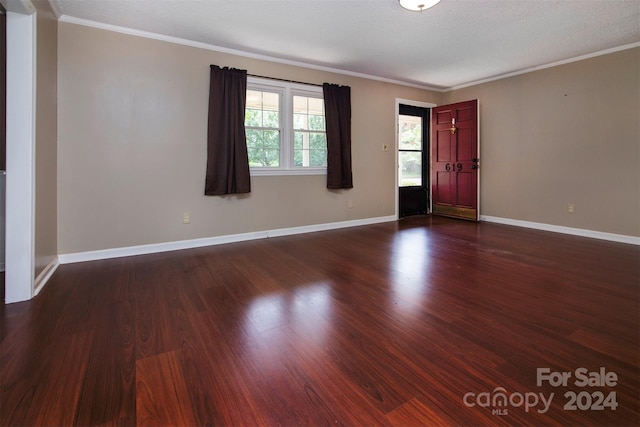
(337, 111)
(227, 160)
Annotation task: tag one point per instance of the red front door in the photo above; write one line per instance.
(454, 172)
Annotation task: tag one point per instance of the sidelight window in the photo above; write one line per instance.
(410, 151)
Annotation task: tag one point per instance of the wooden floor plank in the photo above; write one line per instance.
(108, 393)
(388, 324)
(162, 398)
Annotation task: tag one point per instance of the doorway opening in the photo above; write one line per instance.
(413, 160)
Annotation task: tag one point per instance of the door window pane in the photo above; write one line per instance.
(410, 168)
(410, 132)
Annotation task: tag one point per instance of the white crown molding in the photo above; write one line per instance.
(211, 241)
(56, 10)
(545, 66)
(206, 46)
(620, 238)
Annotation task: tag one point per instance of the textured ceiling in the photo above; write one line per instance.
(457, 42)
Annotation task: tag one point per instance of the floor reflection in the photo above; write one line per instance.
(410, 265)
(307, 307)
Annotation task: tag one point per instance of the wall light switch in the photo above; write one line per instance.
(385, 147)
(186, 217)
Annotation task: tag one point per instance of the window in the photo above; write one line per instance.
(285, 128)
(410, 153)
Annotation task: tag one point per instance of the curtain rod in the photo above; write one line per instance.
(284, 80)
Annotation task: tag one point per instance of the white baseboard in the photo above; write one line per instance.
(45, 275)
(621, 238)
(211, 241)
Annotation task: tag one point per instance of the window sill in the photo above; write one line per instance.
(283, 172)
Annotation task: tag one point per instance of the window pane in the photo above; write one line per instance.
(318, 141)
(410, 132)
(263, 147)
(272, 157)
(308, 113)
(271, 119)
(310, 148)
(300, 104)
(316, 122)
(254, 99)
(301, 149)
(262, 109)
(253, 117)
(271, 139)
(301, 157)
(255, 157)
(318, 157)
(300, 121)
(316, 106)
(259, 157)
(410, 170)
(270, 101)
(254, 138)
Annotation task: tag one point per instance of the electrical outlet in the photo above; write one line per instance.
(385, 147)
(186, 217)
(571, 208)
(350, 204)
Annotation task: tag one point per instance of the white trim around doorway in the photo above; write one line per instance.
(412, 103)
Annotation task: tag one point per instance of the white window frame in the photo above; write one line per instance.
(286, 91)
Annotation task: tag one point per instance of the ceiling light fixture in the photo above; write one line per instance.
(418, 5)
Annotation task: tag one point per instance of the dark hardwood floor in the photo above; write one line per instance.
(423, 322)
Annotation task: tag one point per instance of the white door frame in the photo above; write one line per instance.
(395, 149)
(21, 135)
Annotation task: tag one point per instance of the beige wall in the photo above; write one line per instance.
(46, 224)
(132, 146)
(567, 134)
(132, 119)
